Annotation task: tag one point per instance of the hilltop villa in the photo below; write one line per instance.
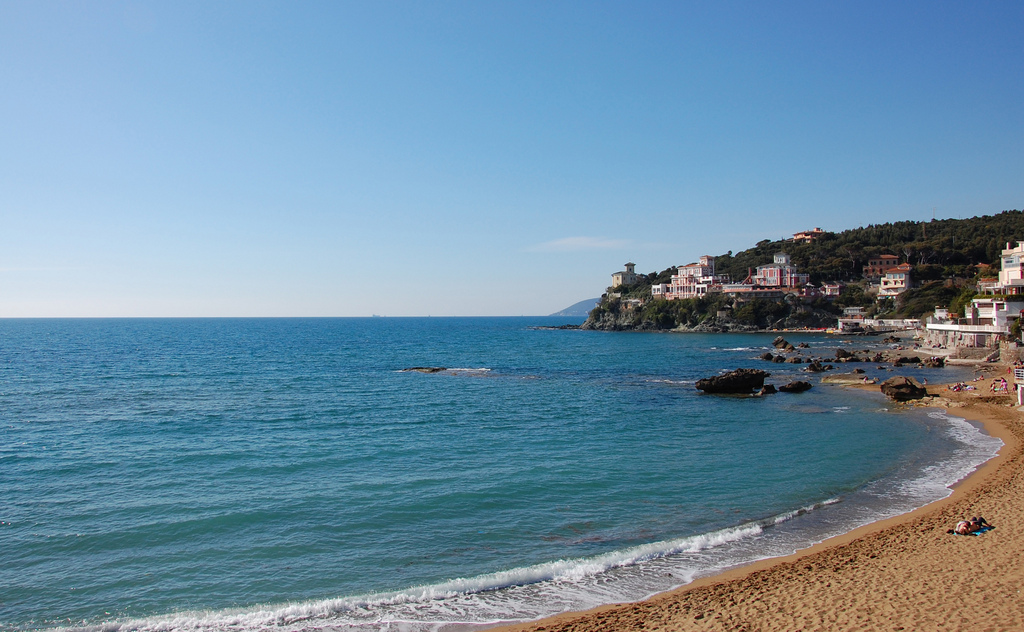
(808, 236)
(879, 265)
(780, 274)
(694, 280)
(626, 277)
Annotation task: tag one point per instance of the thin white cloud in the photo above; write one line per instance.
(576, 244)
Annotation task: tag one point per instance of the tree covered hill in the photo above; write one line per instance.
(937, 249)
(947, 257)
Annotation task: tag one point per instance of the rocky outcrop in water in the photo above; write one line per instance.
(902, 389)
(796, 386)
(817, 367)
(738, 381)
(782, 344)
(906, 360)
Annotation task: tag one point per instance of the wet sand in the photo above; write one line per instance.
(905, 573)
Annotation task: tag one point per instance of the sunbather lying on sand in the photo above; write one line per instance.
(967, 527)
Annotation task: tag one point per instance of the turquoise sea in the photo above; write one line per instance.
(216, 474)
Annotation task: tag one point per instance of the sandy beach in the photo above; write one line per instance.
(906, 573)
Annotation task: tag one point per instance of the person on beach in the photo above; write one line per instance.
(967, 527)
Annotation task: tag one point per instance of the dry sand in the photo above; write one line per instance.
(905, 573)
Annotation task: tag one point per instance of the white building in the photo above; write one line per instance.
(1011, 275)
(986, 319)
(831, 290)
(896, 281)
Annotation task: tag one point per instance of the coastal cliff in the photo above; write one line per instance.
(709, 315)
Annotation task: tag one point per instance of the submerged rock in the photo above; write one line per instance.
(796, 386)
(767, 389)
(425, 369)
(843, 378)
(817, 367)
(738, 381)
(767, 356)
(902, 389)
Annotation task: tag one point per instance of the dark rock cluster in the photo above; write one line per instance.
(738, 381)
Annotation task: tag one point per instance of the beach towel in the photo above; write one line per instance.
(978, 532)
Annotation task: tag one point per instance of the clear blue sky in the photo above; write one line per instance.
(473, 158)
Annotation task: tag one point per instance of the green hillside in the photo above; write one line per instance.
(948, 256)
(937, 249)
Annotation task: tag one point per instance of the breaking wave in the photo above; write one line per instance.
(518, 594)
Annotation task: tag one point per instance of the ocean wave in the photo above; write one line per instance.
(976, 448)
(426, 604)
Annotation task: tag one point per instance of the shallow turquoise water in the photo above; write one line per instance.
(245, 472)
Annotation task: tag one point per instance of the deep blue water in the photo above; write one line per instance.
(239, 473)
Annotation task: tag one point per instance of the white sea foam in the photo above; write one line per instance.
(468, 370)
(975, 448)
(530, 591)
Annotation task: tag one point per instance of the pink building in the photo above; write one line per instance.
(694, 280)
(780, 274)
